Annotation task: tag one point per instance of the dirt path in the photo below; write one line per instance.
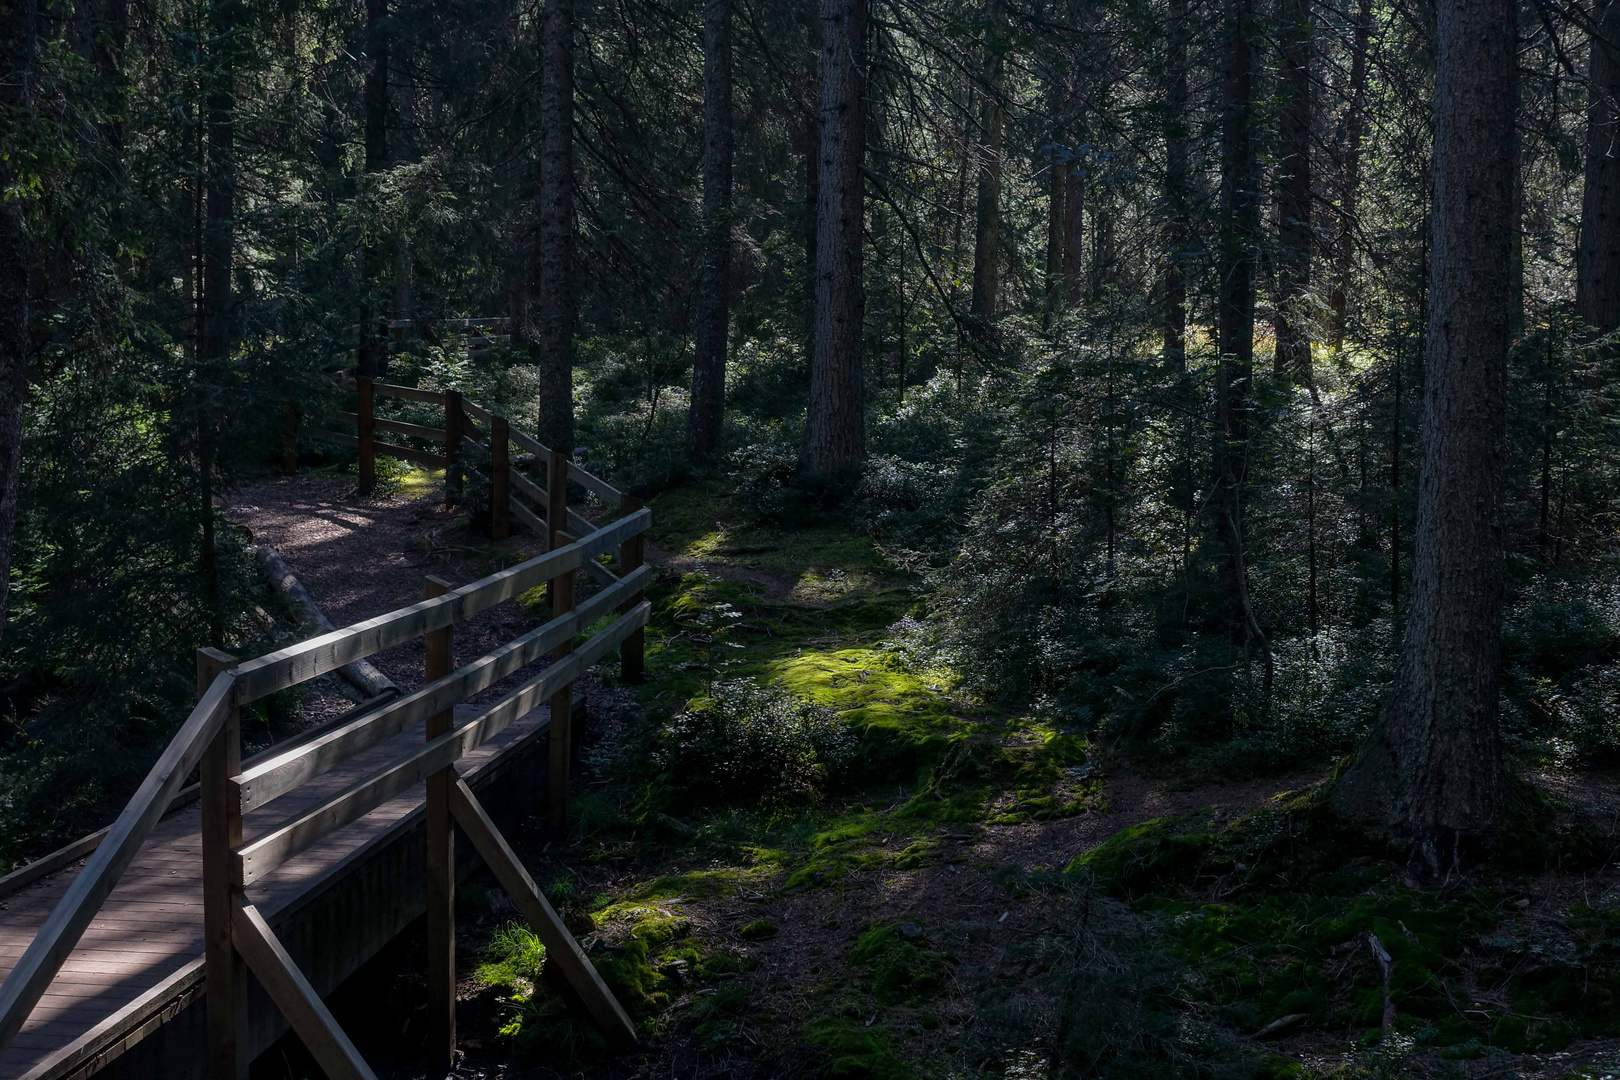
(363, 557)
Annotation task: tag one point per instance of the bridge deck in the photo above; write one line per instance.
(151, 925)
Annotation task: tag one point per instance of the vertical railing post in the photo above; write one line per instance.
(367, 424)
(560, 736)
(452, 447)
(289, 438)
(441, 864)
(631, 656)
(556, 496)
(226, 980)
(500, 493)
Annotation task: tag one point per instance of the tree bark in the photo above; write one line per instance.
(215, 314)
(1239, 238)
(1433, 771)
(1355, 130)
(373, 355)
(1057, 185)
(558, 301)
(987, 215)
(1291, 323)
(707, 410)
(19, 20)
(835, 437)
(811, 134)
(1597, 261)
(1057, 190)
(1177, 226)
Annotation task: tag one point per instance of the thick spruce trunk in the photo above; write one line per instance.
(987, 209)
(1355, 129)
(835, 437)
(558, 301)
(707, 409)
(373, 355)
(1433, 772)
(1240, 221)
(1074, 227)
(1292, 358)
(1177, 201)
(1597, 260)
(216, 313)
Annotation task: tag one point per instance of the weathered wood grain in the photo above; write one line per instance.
(561, 948)
(258, 858)
(277, 773)
(296, 999)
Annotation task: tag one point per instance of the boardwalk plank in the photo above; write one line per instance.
(151, 924)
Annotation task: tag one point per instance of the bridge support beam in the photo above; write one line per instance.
(561, 948)
(441, 865)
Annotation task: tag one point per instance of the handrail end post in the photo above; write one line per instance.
(367, 430)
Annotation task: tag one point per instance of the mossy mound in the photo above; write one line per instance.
(854, 1051)
(1282, 912)
(903, 968)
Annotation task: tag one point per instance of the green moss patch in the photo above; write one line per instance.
(854, 1051)
(1281, 912)
(902, 967)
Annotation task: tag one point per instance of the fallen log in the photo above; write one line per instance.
(361, 674)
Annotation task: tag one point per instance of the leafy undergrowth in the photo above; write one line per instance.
(831, 900)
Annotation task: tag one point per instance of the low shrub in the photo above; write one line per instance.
(744, 744)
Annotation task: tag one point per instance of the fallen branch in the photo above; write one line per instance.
(361, 674)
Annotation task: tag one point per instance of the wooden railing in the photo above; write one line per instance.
(237, 937)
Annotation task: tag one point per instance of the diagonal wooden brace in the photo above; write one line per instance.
(294, 996)
(561, 948)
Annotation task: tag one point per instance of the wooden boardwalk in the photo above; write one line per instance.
(150, 929)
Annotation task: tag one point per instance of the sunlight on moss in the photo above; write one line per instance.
(413, 482)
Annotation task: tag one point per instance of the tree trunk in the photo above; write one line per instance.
(835, 438)
(373, 354)
(1292, 358)
(1102, 242)
(1177, 227)
(707, 409)
(1239, 236)
(214, 331)
(1355, 129)
(812, 163)
(1057, 187)
(987, 216)
(1597, 262)
(1074, 213)
(19, 20)
(557, 296)
(1433, 771)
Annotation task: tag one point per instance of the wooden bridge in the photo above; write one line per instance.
(207, 920)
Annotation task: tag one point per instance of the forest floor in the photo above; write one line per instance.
(983, 893)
